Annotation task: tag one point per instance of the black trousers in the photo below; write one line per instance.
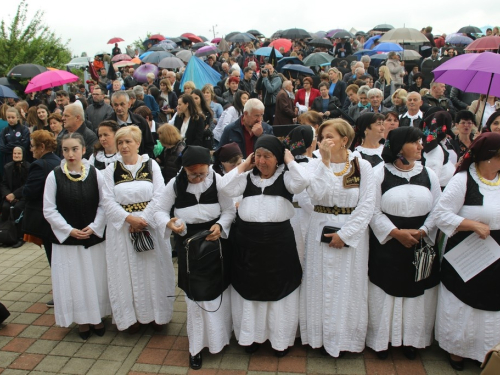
(269, 112)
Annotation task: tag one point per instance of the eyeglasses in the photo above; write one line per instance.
(197, 175)
(466, 123)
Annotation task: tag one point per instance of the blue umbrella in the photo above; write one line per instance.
(458, 39)
(6, 92)
(200, 73)
(287, 60)
(370, 41)
(298, 68)
(266, 51)
(145, 54)
(388, 47)
(364, 52)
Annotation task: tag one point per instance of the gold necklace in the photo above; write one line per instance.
(66, 172)
(338, 174)
(401, 169)
(485, 181)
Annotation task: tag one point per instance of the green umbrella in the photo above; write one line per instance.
(317, 59)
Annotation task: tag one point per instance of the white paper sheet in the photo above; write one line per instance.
(473, 255)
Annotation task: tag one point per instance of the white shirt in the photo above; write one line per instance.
(418, 115)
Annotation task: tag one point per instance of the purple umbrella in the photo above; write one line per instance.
(141, 72)
(330, 33)
(205, 51)
(472, 72)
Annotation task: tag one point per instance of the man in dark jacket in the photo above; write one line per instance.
(269, 83)
(121, 104)
(73, 122)
(247, 84)
(436, 98)
(246, 129)
(129, 81)
(285, 113)
(98, 111)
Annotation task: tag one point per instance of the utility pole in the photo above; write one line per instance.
(213, 30)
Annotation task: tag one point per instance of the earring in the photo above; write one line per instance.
(489, 161)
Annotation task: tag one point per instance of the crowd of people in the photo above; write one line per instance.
(334, 233)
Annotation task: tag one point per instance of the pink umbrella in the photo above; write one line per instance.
(484, 44)
(216, 40)
(48, 79)
(141, 72)
(115, 40)
(121, 57)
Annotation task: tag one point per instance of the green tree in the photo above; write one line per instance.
(30, 41)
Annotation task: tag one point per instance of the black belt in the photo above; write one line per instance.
(335, 210)
(135, 207)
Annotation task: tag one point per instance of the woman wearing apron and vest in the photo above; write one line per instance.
(72, 206)
(141, 284)
(402, 306)
(194, 195)
(105, 151)
(468, 313)
(266, 271)
(333, 295)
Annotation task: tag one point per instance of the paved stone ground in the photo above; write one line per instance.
(31, 343)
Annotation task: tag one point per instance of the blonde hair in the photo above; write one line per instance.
(189, 84)
(387, 74)
(132, 131)
(339, 73)
(401, 94)
(13, 109)
(340, 126)
(169, 135)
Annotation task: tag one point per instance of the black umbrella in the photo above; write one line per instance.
(26, 71)
(295, 34)
(470, 30)
(176, 40)
(383, 27)
(156, 57)
(320, 42)
(240, 38)
(231, 34)
(198, 45)
(342, 34)
(203, 38)
(277, 34)
(158, 48)
(255, 32)
(12, 84)
(299, 69)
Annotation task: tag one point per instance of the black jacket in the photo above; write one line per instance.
(147, 142)
(339, 91)
(88, 135)
(333, 102)
(194, 132)
(97, 113)
(14, 182)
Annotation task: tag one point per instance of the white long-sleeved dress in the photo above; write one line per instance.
(205, 329)
(79, 281)
(141, 285)
(401, 320)
(258, 321)
(461, 329)
(333, 294)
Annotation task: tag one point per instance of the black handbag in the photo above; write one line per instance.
(142, 241)
(4, 313)
(8, 230)
(204, 260)
(329, 230)
(208, 139)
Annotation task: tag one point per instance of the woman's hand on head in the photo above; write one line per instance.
(288, 156)
(248, 164)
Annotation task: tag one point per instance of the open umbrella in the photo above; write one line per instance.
(120, 57)
(266, 51)
(143, 55)
(300, 69)
(158, 48)
(156, 57)
(255, 33)
(472, 72)
(457, 38)
(318, 58)
(388, 47)
(231, 34)
(369, 43)
(364, 52)
(171, 63)
(26, 71)
(198, 45)
(184, 55)
(320, 42)
(409, 54)
(215, 40)
(193, 38)
(241, 38)
(278, 43)
(115, 40)
(157, 37)
(319, 34)
(6, 92)
(48, 79)
(205, 51)
(223, 45)
(383, 27)
(287, 61)
(484, 44)
(342, 34)
(276, 35)
(200, 73)
(404, 35)
(470, 30)
(124, 63)
(295, 34)
(330, 33)
(11, 84)
(203, 38)
(141, 72)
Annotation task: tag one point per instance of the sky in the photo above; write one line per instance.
(87, 26)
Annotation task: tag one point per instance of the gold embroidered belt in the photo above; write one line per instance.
(296, 205)
(134, 207)
(335, 210)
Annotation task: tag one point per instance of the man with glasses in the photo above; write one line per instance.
(98, 111)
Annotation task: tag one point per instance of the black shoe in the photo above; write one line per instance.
(195, 361)
(323, 351)
(18, 244)
(100, 331)
(84, 335)
(50, 303)
(341, 354)
(383, 354)
(174, 253)
(252, 348)
(456, 365)
(281, 353)
(410, 352)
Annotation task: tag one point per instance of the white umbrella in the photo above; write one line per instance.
(404, 35)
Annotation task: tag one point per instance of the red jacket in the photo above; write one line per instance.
(300, 96)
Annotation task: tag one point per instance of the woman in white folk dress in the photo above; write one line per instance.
(266, 270)
(468, 313)
(105, 151)
(369, 132)
(333, 294)
(141, 284)
(72, 204)
(402, 310)
(194, 195)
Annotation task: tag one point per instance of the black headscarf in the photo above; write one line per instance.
(273, 144)
(225, 153)
(435, 128)
(191, 155)
(395, 141)
(299, 139)
(483, 148)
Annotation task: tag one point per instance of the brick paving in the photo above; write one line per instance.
(31, 343)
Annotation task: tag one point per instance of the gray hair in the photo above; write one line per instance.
(252, 64)
(131, 94)
(285, 84)
(363, 90)
(391, 55)
(252, 104)
(353, 63)
(415, 94)
(75, 110)
(139, 90)
(358, 71)
(365, 58)
(121, 93)
(374, 92)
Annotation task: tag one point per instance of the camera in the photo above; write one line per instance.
(265, 71)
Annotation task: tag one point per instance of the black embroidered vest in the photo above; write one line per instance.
(185, 199)
(278, 188)
(122, 174)
(392, 181)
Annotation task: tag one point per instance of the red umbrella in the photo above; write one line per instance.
(285, 43)
(121, 57)
(216, 40)
(157, 37)
(484, 44)
(50, 78)
(193, 38)
(115, 40)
